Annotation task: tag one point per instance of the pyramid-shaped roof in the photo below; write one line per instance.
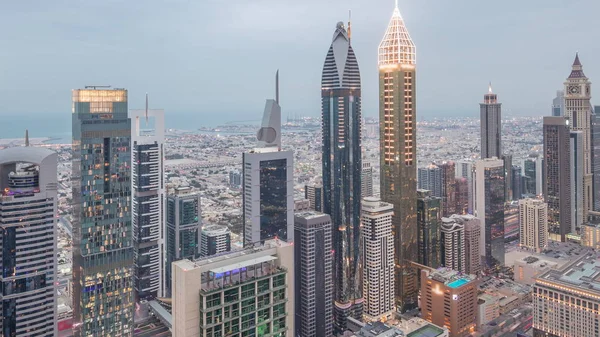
(397, 47)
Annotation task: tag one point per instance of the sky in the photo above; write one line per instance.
(217, 58)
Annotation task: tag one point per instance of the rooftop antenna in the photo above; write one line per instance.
(277, 86)
(146, 108)
(396, 4)
(26, 137)
(350, 24)
(490, 88)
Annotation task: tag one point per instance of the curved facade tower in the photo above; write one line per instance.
(398, 146)
(342, 166)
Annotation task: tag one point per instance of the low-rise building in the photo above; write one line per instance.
(488, 309)
(530, 267)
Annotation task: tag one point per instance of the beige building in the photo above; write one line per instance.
(590, 236)
(215, 296)
(449, 299)
(488, 308)
(530, 267)
(533, 224)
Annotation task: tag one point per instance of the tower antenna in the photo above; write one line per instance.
(26, 137)
(146, 108)
(277, 86)
(350, 24)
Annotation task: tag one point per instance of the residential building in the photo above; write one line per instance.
(148, 195)
(428, 229)
(532, 172)
(464, 169)
(235, 179)
(473, 244)
(557, 173)
(430, 178)
(533, 219)
(342, 170)
(28, 201)
(448, 188)
(184, 220)
(453, 244)
(508, 177)
(366, 180)
(214, 239)
(566, 301)
(517, 182)
(488, 309)
(378, 260)
(449, 299)
(398, 150)
(313, 274)
(243, 293)
(314, 193)
(491, 125)
(590, 235)
(488, 196)
(103, 257)
(461, 195)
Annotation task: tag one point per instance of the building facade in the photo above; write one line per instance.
(461, 195)
(103, 258)
(590, 235)
(533, 219)
(558, 104)
(342, 170)
(314, 193)
(473, 244)
(313, 270)
(488, 196)
(148, 195)
(28, 204)
(508, 177)
(243, 293)
(366, 180)
(214, 239)
(557, 174)
(453, 244)
(532, 173)
(428, 228)
(595, 125)
(398, 150)
(566, 301)
(378, 260)
(449, 299)
(491, 126)
(448, 188)
(577, 180)
(430, 178)
(578, 111)
(184, 220)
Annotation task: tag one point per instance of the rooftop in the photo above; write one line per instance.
(309, 214)
(378, 329)
(451, 278)
(583, 273)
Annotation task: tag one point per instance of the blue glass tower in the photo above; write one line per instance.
(342, 167)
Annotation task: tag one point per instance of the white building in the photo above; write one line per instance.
(530, 267)
(533, 220)
(453, 243)
(147, 196)
(28, 252)
(214, 239)
(378, 259)
(366, 180)
(249, 291)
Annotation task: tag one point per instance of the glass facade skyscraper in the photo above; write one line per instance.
(342, 167)
(429, 212)
(103, 295)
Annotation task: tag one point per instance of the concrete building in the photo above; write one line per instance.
(313, 274)
(491, 126)
(473, 244)
(341, 113)
(301, 205)
(453, 244)
(464, 169)
(243, 293)
(148, 193)
(378, 259)
(430, 178)
(530, 267)
(488, 309)
(590, 235)
(366, 180)
(532, 173)
(461, 195)
(448, 188)
(28, 253)
(214, 239)
(578, 111)
(314, 193)
(103, 254)
(398, 150)
(557, 173)
(184, 221)
(449, 299)
(566, 301)
(558, 104)
(235, 179)
(428, 229)
(533, 220)
(488, 196)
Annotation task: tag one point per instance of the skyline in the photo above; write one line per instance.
(164, 51)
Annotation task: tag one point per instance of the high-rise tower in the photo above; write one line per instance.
(342, 166)
(578, 110)
(103, 301)
(491, 126)
(398, 146)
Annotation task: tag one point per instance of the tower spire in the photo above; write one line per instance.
(277, 86)
(576, 62)
(26, 137)
(396, 7)
(490, 88)
(349, 25)
(146, 108)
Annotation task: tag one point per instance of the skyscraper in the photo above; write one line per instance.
(461, 195)
(314, 193)
(488, 196)
(314, 274)
(448, 188)
(532, 175)
(533, 219)
(453, 244)
(268, 188)
(103, 293)
(342, 165)
(577, 180)
(558, 104)
(508, 177)
(464, 169)
(491, 126)
(473, 243)
(367, 180)
(596, 156)
(398, 150)
(430, 178)
(578, 110)
(147, 186)
(183, 228)
(516, 179)
(557, 173)
(214, 239)
(428, 228)
(378, 265)
(28, 199)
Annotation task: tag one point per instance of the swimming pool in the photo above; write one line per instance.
(458, 283)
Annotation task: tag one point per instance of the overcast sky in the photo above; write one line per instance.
(211, 57)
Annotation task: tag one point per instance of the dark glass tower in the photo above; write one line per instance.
(491, 126)
(398, 150)
(428, 223)
(342, 167)
(103, 295)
